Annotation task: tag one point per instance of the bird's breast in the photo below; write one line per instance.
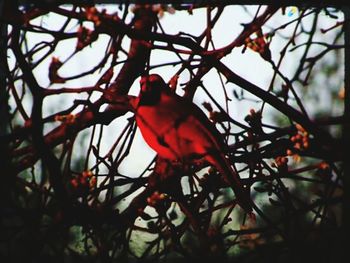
(156, 126)
(172, 131)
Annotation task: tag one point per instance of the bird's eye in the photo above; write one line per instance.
(144, 86)
(153, 78)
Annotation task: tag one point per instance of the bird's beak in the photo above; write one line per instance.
(144, 85)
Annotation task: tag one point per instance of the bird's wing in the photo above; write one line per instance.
(196, 127)
(194, 119)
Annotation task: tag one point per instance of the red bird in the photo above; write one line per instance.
(178, 130)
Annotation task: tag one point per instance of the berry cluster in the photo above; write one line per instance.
(156, 198)
(300, 142)
(68, 119)
(84, 181)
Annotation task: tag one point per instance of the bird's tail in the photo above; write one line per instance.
(222, 164)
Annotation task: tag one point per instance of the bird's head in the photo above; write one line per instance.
(152, 83)
(152, 87)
